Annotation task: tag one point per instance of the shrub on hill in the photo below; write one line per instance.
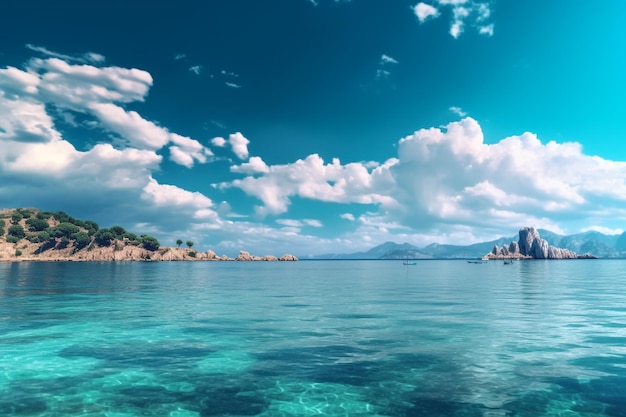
(81, 240)
(149, 242)
(17, 231)
(2, 227)
(12, 239)
(36, 225)
(103, 237)
(64, 230)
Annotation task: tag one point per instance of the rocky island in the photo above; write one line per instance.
(35, 235)
(532, 246)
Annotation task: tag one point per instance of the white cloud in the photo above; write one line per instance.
(187, 151)
(604, 230)
(77, 86)
(170, 195)
(382, 74)
(232, 85)
(386, 59)
(486, 30)
(347, 216)
(229, 74)
(312, 222)
(239, 145)
(89, 57)
(464, 12)
(196, 69)
(179, 56)
(313, 179)
(458, 111)
(448, 181)
(218, 141)
(254, 166)
(423, 11)
(141, 133)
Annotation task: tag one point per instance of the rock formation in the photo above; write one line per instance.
(532, 246)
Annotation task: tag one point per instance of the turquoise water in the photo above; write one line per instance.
(336, 338)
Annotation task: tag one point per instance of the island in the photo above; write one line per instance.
(29, 234)
(532, 246)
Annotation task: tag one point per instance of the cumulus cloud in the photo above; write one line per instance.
(218, 141)
(196, 69)
(464, 12)
(423, 11)
(239, 145)
(313, 179)
(46, 170)
(254, 166)
(447, 180)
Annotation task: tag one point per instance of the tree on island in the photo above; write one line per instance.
(150, 243)
(189, 244)
(179, 242)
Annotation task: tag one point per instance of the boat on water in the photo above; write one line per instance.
(508, 261)
(480, 261)
(409, 263)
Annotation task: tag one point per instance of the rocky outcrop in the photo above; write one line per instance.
(287, 257)
(532, 246)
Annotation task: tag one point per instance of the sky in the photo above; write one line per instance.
(316, 126)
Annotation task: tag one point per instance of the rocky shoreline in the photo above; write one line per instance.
(130, 254)
(30, 235)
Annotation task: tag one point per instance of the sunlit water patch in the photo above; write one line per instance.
(367, 338)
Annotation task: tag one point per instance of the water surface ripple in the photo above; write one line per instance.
(336, 338)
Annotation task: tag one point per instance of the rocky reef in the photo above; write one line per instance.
(532, 246)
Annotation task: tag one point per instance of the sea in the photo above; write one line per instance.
(311, 338)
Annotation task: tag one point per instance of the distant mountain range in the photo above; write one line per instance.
(593, 243)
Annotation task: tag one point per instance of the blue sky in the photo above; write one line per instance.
(321, 126)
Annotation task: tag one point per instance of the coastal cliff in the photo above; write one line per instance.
(34, 235)
(532, 246)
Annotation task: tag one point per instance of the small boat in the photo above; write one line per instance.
(477, 262)
(508, 261)
(409, 263)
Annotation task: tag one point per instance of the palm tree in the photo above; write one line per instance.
(179, 242)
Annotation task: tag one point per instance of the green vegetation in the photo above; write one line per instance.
(59, 230)
(17, 231)
(81, 240)
(64, 230)
(36, 224)
(149, 242)
(192, 254)
(103, 237)
(189, 244)
(179, 242)
(12, 239)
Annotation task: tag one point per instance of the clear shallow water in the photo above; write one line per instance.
(337, 338)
